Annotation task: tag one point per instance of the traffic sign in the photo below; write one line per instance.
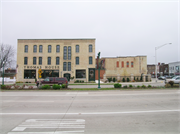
(39, 71)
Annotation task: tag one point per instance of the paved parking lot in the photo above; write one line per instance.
(100, 112)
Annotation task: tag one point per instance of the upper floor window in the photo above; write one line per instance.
(34, 60)
(122, 64)
(117, 64)
(49, 48)
(77, 48)
(69, 53)
(57, 48)
(69, 66)
(64, 66)
(77, 60)
(26, 48)
(90, 60)
(25, 60)
(65, 53)
(90, 48)
(57, 60)
(127, 63)
(40, 60)
(35, 48)
(40, 48)
(132, 64)
(49, 60)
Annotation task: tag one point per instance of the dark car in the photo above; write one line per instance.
(53, 80)
(161, 78)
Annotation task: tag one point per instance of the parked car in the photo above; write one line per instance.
(53, 80)
(161, 78)
(169, 77)
(175, 79)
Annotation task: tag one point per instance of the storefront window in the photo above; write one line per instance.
(29, 74)
(50, 73)
(80, 73)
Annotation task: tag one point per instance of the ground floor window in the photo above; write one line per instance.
(50, 73)
(80, 73)
(29, 74)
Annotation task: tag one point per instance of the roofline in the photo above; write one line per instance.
(126, 56)
(62, 39)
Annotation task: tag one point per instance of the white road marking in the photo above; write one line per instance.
(94, 113)
(50, 123)
(78, 93)
(26, 101)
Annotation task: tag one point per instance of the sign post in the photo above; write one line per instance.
(40, 72)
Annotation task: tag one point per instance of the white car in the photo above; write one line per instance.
(175, 79)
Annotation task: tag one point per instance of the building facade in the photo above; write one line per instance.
(123, 66)
(174, 68)
(71, 58)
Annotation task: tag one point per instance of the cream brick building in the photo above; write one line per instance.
(56, 58)
(125, 66)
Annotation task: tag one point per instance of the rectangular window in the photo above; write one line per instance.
(77, 48)
(77, 60)
(25, 60)
(57, 49)
(29, 74)
(69, 66)
(117, 64)
(127, 63)
(132, 64)
(57, 60)
(122, 64)
(49, 60)
(40, 48)
(80, 73)
(69, 53)
(26, 48)
(35, 48)
(65, 53)
(90, 60)
(49, 48)
(40, 60)
(90, 48)
(34, 60)
(64, 66)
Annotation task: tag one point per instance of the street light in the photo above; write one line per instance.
(99, 70)
(156, 48)
(3, 74)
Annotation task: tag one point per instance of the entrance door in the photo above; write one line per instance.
(91, 74)
(68, 76)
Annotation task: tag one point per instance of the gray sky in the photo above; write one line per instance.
(121, 28)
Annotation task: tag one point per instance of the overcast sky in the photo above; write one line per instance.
(121, 28)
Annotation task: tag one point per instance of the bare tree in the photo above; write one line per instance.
(7, 55)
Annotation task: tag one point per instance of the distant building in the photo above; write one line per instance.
(56, 58)
(174, 68)
(164, 69)
(123, 66)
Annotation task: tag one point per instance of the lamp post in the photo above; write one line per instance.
(99, 71)
(3, 74)
(156, 48)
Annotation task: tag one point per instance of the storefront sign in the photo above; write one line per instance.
(40, 67)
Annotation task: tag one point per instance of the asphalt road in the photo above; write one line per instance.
(92, 112)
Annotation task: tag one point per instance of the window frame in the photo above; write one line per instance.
(35, 49)
(57, 49)
(49, 60)
(26, 48)
(77, 60)
(69, 66)
(77, 48)
(25, 60)
(65, 53)
(40, 48)
(64, 66)
(90, 48)
(90, 59)
(57, 60)
(69, 52)
(40, 60)
(34, 60)
(49, 48)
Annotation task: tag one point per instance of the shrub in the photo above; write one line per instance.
(143, 86)
(130, 86)
(30, 87)
(123, 79)
(138, 86)
(46, 87)
(117, 85)
(22, 87)
(171, 83)
(149, 86)
(109, 79)
(8, 86)
(114, 79)
(127, 79)
(63, 86)
(3, 86)
(16, 86)
(125, 86)
(55, 86)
